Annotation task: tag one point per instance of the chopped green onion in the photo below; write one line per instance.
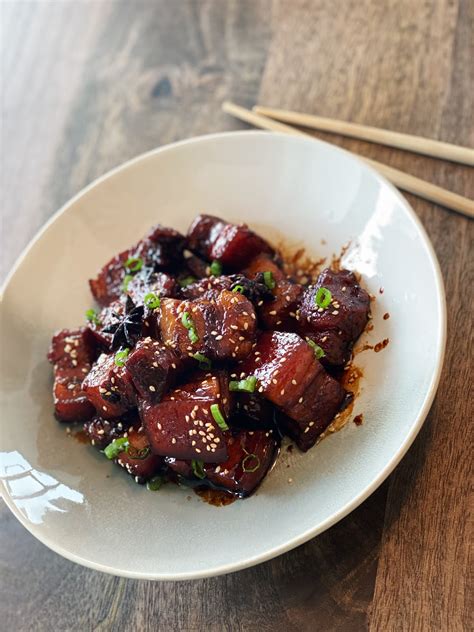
(126, 280)
(151, 300)
(238, 288)
(133, 264)
(118, 445)
(204, 362)
(318, 351)
(247, 467)
(244, 386)
(121, 356)
(138, 454)
(216, 268)
(198, 468)
(187, 281)
(269, 280)
(155, 483)
(91, 316)
(218, 417)
(323, 297)
(189, 324)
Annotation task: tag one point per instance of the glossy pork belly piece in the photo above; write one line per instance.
(280, 312)
(336, 327)
(146, 281)
(183, 426)
(232, 245)
(138, 459)
(153, 368)
(101, 432)
(220, 328)
(109, 387)
(161, 249)
(71, 353)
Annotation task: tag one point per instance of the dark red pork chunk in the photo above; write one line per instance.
(160, 249)
(183, 426)
(154, 368)
(224, 327)
(279, 313)
(147, 281)
(209, 287)
(101, 432)
(138, 459)
(106, 318)
(290, 376)
(109, 387)
(71, 353)
(336, 327)
(250, 455)
(233, 245)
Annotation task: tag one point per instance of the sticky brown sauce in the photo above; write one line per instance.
(381, 345)
(215, 497)
(358, 419)
(81, 436)
(298, 265)
(386, 316)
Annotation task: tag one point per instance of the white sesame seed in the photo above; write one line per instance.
(306, 430)
(300, 401)
(294, 382)
(273, 312)
(311, 423)
(218, 469)
(152, 388)
(233, 327)
(335, 312)
(198, 450)
(158, 425)
(282, 392)
(173, 440)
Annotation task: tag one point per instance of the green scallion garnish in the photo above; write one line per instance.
(215, 268)
(189, 324)
(121, 356)
(318, 351)
(92, 317)
(186, 281)
(133, 264)
(204, 362)
(218, 417)
(151, 300)
(269, 280)
(323, 297)
(238, 288)
(244, 386)
(126, 280)
(155, 483)
(118, 445)
(198, 468)
(251, 463)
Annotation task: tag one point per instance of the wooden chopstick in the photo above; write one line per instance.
(400, 179)
(418, 144)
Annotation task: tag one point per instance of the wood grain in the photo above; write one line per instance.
(87, 85)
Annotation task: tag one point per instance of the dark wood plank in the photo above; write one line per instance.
(91, 84)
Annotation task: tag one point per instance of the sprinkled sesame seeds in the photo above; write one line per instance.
(152, 388)
(273, 312)
(173, 440)
(294, 382)
(335, 312)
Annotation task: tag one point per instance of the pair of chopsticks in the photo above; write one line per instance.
(265, 118)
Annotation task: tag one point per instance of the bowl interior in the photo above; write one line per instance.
(308, 193)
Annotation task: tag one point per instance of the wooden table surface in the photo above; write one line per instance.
(89, 84)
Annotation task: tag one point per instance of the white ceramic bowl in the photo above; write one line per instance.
(86, 509)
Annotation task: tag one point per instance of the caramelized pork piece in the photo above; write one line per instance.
(147, 281)
(233, 246)
(290, 376)
(161, 249)
(220, 328)
(314, 411)
(109, 387)
(120, 324)
(250, 455)
(104, 321)
(251, 411)
(279, 313)
(335, 326)
(138, 459)
(101, 432)
(183, 425)
(284, 366)
(209, 287)
(153, 368)
(71, 352)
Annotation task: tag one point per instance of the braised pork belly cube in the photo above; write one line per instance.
(283, 364)
(101, 432)
(209, 287)
(251, 411)
(148, 281)
(138, 459)
(70, 402)
(105, 320)
(346, 313)
(71, 348)
(109, 387)
(195, 267)
(220, 328)
(250, 455)
(232, 245)
(154, 368)
(184, 426)
(71, 353)
(161, 249)
(314, 411)
(120, 324)
(279, 313)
